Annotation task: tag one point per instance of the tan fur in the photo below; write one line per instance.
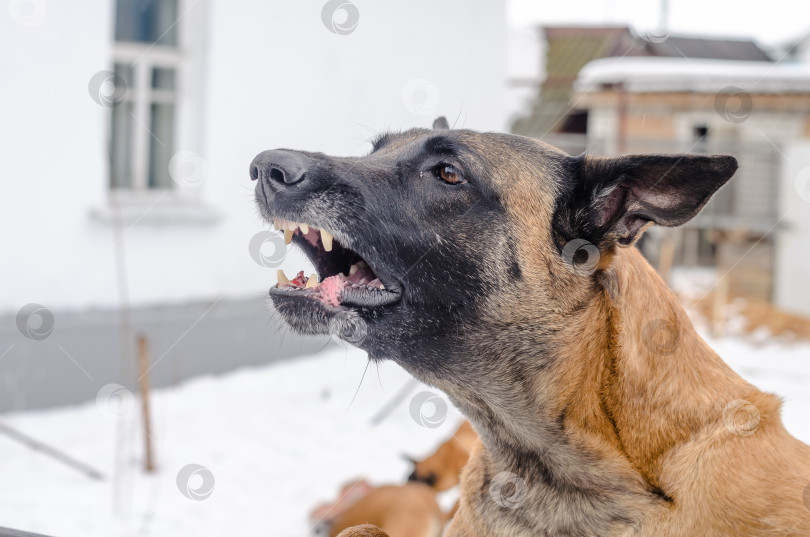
(401, 511)
(622, 422)
(363, 530)
(447, 462)
(660, 418)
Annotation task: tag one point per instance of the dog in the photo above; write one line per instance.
(501, 270)
(442, 469)
(408, 510)
(323, 516)
(398, 510)
(403, 510)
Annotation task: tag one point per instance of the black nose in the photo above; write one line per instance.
(279, 167)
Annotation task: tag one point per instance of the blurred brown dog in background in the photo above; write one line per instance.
(442, 469)
(409, 510)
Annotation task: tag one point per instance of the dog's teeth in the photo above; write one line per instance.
(312, 281)
(288, 233)
(304, 228)
(282, 278)
(353, 269)
(326, 239)
(276, 224)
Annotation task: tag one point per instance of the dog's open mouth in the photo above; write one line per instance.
(342, 279)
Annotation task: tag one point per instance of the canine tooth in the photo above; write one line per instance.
(326, 239)
(304, 228)
(288, 233)
(353, 269)
(282, 278)
(312, 281)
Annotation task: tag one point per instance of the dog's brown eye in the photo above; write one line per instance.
(449, 174)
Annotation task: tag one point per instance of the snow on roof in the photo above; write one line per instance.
(694, 75)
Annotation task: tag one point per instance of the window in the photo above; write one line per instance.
(143, 125)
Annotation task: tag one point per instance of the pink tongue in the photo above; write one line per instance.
(330, 289)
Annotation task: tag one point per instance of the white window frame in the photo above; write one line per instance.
(143, 58)
(178, 204)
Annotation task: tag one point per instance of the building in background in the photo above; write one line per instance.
(566, 51)
(608, 90)
(569, 48)
(753, 110)
(129, 128)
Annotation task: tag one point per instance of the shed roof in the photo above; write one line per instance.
(709, 48)
(694, 75)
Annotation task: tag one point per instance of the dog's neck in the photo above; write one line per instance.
(632, 381)
(662, 382)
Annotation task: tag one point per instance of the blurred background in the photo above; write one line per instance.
(146, 387)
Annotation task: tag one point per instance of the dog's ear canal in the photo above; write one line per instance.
(610, 201)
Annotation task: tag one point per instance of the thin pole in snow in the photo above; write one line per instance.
(143, 381)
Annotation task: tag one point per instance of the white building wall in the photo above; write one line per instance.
(603, 125)
(792, 246)
(271, 75)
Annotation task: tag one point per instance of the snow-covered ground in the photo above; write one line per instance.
(275, 440)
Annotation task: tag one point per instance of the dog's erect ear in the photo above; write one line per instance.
(441, 124)
(609, 201)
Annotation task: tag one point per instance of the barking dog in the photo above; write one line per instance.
(497, 269)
